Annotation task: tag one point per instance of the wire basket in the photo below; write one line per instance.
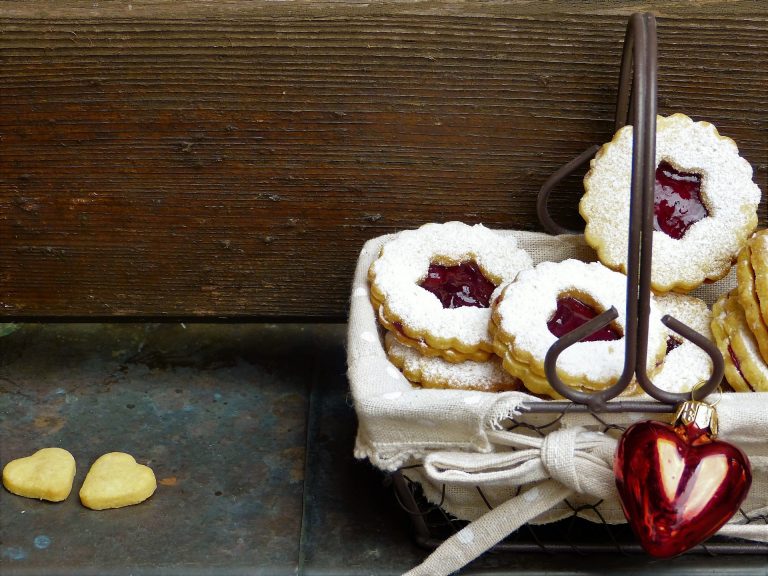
(573, 534)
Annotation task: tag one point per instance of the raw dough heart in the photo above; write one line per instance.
(116, 480)
(46, 475)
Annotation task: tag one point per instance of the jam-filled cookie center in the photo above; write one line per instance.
(572, 313)
(673, 343)
(677, 201)
(460, 285)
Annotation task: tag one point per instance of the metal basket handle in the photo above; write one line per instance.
(639, 62)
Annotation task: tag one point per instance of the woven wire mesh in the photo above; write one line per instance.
(573, 535)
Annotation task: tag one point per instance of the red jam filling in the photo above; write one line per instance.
(672, 343)
(457, 286)
(572, 313)
(677, 201)
(737, 364)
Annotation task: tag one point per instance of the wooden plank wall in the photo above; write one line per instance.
(228, 159)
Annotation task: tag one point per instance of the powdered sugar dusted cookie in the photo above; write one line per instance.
(423, 348)
(432, 287)
(745, 369)
(747, 289)
(549, 301)
(685, 364)
(437, 373)
(705, 203)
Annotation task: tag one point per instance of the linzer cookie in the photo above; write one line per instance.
(745, 369)
(429, 372)
(705, 203)
(753, 258)
(432, 287)
(549, 301)
(685, 364)
(759, 258)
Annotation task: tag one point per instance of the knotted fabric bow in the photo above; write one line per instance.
(576, 458)
(564, 462)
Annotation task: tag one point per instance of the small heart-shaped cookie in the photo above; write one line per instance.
(46, 475)
(116, 480)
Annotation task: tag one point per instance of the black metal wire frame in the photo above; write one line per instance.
(636, 100)
(573, 535)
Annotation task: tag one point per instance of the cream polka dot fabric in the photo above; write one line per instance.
(399, 426)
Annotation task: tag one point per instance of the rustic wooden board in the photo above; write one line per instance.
(228, 159)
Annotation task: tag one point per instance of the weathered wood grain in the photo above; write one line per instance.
(228, 159)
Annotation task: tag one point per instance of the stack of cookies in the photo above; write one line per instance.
(740, 319)
(463, 307)
(432, 288)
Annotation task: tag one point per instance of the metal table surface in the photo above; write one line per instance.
(249, 431)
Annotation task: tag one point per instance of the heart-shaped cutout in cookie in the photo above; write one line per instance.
(116, 480)
(678, 488)
(46, 475)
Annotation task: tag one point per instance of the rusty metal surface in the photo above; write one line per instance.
(218, 412)
(352, 524)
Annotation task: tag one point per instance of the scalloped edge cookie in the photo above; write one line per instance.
(447, 354)
(416, 313)
(687, 365)
(434, 372)
(745, 369)
(707, 250)
(522, 338)
(749, 299)
(759, 258)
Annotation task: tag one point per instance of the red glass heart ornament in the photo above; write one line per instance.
(678, 485)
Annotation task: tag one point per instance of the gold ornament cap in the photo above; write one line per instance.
(701, 414)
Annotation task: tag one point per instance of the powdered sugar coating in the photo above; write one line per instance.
(404, 262)
(527, 304)
(423, 348)
(437, 373)
(687, 365)
(709, 246)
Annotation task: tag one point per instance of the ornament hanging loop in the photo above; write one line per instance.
(699, 414)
